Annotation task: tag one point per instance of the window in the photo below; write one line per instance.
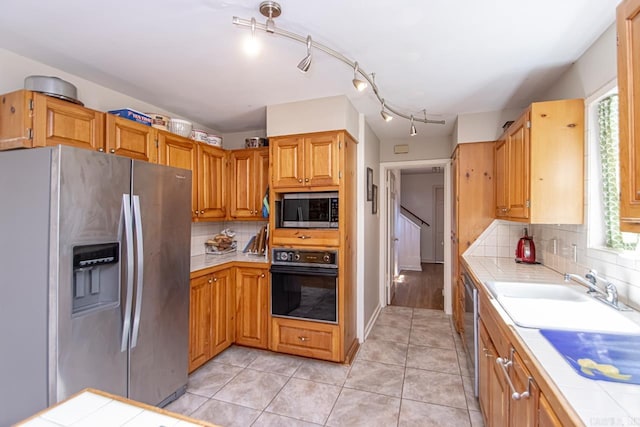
(606, 216)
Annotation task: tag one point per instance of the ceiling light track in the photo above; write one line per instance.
(271, 10)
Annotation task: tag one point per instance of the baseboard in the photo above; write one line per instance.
(372, 321)
(410, 267)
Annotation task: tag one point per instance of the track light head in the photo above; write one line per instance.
(386, 116)
(412, 130)
(360, 85)
(306, 61)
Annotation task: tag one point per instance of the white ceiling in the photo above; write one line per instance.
(447, 57)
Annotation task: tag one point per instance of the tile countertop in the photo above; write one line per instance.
(200, 262)
(93, 408)
(598, 403)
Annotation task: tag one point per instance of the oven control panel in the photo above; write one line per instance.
(305, 257)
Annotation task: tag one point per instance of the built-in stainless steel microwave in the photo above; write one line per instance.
(309, 210)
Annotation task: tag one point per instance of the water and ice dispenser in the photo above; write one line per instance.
(96, 276)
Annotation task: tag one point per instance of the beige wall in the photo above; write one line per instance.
(233, 141)
(313, 115)
(15, 68)
(370, 233)
(487, 126)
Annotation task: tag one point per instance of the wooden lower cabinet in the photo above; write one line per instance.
(546, 415)
(292, 237)
(303, 338)
(211, 316)
(252, 307)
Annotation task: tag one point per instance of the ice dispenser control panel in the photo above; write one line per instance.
(95, 277)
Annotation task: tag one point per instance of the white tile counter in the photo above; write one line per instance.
(597, 403)
(93, 408)
(200, 262)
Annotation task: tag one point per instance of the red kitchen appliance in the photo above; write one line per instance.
(526, 249)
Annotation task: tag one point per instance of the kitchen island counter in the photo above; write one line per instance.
(594, 402)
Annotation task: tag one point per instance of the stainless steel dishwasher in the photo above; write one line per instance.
(470, 334)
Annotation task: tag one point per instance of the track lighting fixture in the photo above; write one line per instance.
(361, 80)
(306, 61)
(386, 116)
(357, 83)
(412, 130)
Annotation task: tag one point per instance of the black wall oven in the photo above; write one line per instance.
(304, 285)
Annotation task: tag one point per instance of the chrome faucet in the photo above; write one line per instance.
(609, 296)
(590, 280)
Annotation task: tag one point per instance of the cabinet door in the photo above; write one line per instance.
(486, 360)
(321, 155)
(182, 153)
(127, 138)
(16, 120)
(242, 184)
(287, 162)
(222, 316)
(199, 321)
(502, 183)
(61, 122)
(518, 169)
(211, 182)
(628, 27)
(262, 177)
(546, 416)
(524, 411)
(252, 296)
(498, 397)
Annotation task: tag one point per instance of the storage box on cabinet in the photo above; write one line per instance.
(29, 119)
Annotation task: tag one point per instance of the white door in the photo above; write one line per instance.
(439, 223)
(392, 214)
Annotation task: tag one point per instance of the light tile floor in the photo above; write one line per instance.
(411, 371)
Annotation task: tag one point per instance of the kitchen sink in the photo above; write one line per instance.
(558, 306)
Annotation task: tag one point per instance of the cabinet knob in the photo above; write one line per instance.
(303, 339)
(262, 275)
(306, 180)
(215, 279)
(201, 212)
(101, 150)
(300, 180)
(210, 281)
(112, 151)
(303, 237)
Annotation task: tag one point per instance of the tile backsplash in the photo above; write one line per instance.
(202, 231)
(563, 248)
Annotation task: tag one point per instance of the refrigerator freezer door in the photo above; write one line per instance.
(159, 359)
(25, 179)
(86, 206)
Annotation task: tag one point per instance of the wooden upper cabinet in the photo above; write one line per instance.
(125, 137)
(29, 119)
(211, 182)
(179, 152)
(540, 166)
(248, 182)
(502, 187)
(321, 160)
(306, 160)
(287, 157)
(628, 28)
(518, 168)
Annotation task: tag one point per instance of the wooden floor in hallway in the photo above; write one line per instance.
(421, 289)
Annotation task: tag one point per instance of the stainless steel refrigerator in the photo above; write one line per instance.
(94, 278)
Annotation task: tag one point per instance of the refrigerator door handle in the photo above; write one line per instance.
(137, 222)
(128, 230)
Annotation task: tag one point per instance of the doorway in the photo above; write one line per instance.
(431, 287)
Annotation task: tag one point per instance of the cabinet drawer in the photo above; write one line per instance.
(305, 237)
(308, 339)
(487, 317)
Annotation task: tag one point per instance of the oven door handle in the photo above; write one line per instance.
(305, 271)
